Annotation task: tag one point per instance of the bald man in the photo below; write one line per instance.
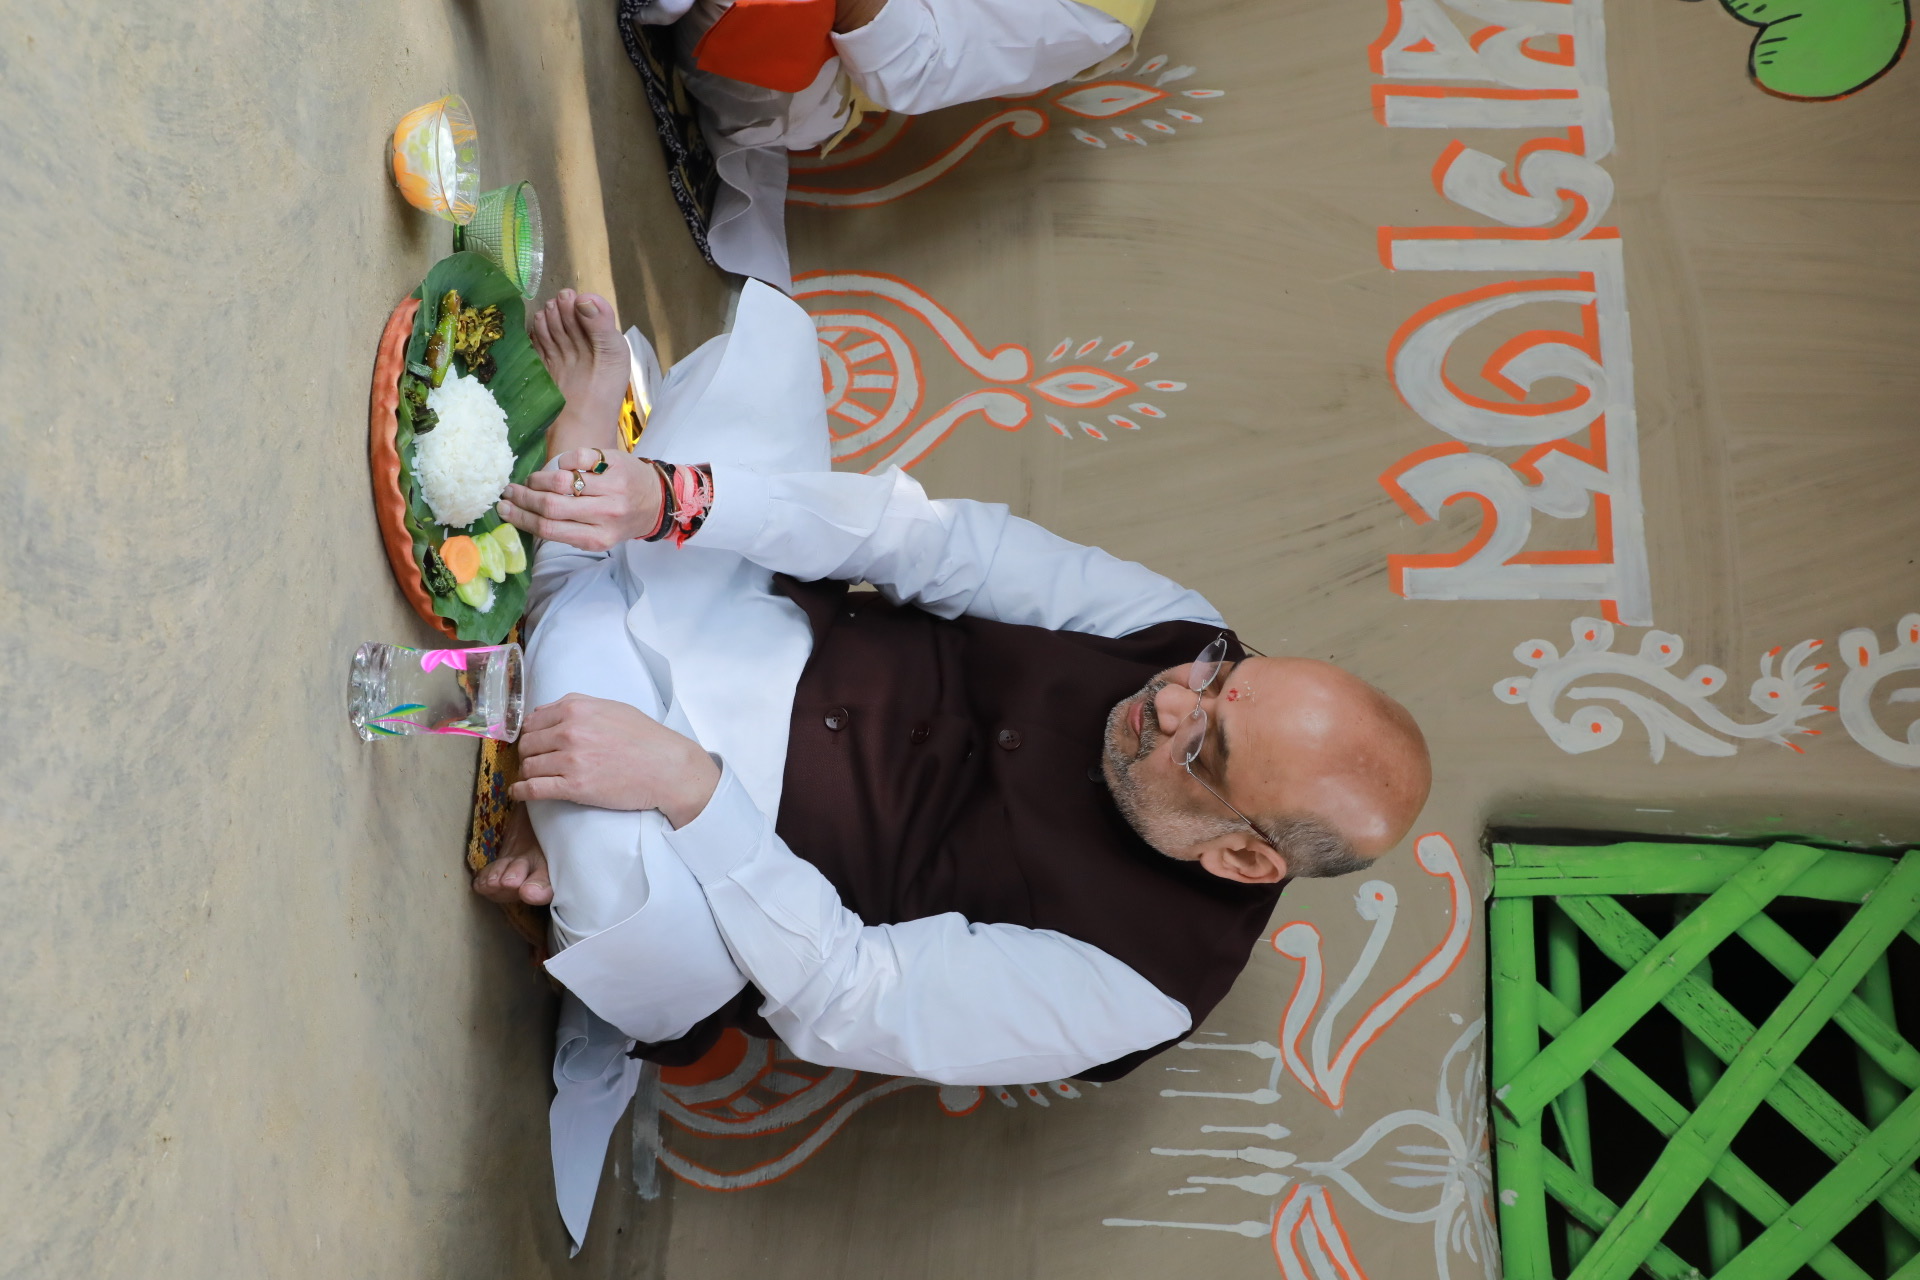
(1019, 812)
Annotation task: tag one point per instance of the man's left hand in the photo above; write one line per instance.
(609, 755)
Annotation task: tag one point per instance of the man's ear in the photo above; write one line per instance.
(1243, 857)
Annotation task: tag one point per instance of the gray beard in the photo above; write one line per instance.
(1160, 824)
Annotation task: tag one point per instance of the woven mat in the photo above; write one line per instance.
(499, 767)
(691, 174)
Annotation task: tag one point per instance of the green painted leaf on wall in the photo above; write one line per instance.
(1821, 49)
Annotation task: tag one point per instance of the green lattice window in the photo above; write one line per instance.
(1741, 1128)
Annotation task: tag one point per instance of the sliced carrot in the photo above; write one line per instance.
(462, 556)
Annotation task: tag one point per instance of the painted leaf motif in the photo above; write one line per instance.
(1082, 387)
(1591, 635)
(1661, 648)
(1859, 647)
(1536, 653)
(1108, 99)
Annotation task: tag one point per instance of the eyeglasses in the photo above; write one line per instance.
(1191, 734)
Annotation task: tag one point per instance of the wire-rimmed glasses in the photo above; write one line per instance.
(1191, 734)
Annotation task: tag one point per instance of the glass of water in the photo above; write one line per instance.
(394, 691)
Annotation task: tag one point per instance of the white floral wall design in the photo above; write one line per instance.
(772, 1113)
(1681, 710)
(1784, 693)
(1450, 1159)
(873, 368)
(1117, 108)
(1867, 667)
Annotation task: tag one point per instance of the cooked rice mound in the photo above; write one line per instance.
(464, 463)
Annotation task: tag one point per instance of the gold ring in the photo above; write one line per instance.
(601, 465)
(579, 482)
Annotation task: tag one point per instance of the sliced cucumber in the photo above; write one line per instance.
(478, 592)
(510, 546)
(493, 561)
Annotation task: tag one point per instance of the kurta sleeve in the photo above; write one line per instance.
(921, 55)
(948, 556)
(941, 998)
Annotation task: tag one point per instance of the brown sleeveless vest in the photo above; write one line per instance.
(938, 766)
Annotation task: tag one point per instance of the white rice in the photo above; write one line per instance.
(464, 463)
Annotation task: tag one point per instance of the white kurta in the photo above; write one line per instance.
(660, 927)
(916, 56)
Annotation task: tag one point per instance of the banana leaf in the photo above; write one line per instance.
(531, 402)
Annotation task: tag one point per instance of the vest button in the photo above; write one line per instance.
(919, 735)
(1094, 774)
(1009, 739)
(837, 719)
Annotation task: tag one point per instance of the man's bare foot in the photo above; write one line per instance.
(578, 338)
(519, 874)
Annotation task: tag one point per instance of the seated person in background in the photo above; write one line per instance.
(1020, 814)
(767, 82)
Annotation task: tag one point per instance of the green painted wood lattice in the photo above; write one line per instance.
(1552, 1043)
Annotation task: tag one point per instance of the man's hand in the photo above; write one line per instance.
(614, 505)
(611, 756)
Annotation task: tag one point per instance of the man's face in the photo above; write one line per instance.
(1155, 793)
(1289, 737)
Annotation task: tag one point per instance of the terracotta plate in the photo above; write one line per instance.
(389, 504)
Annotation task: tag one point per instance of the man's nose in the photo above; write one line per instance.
(1172, 705)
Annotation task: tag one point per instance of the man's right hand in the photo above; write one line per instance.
(620, 503)
(609, 755)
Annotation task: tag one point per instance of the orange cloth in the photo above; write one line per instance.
(776, 44)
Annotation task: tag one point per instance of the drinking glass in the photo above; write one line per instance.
(394, 691)
(506, 230)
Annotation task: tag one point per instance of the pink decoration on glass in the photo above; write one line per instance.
(396, 691)
(455, 658)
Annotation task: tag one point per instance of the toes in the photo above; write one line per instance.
(542, 340)
(567, 323)
(601, 327)
(502, 880)
(487, 885)
(520, 873)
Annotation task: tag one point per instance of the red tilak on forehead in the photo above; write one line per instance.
(1233, 695)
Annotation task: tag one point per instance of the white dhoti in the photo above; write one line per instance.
(604, 625)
